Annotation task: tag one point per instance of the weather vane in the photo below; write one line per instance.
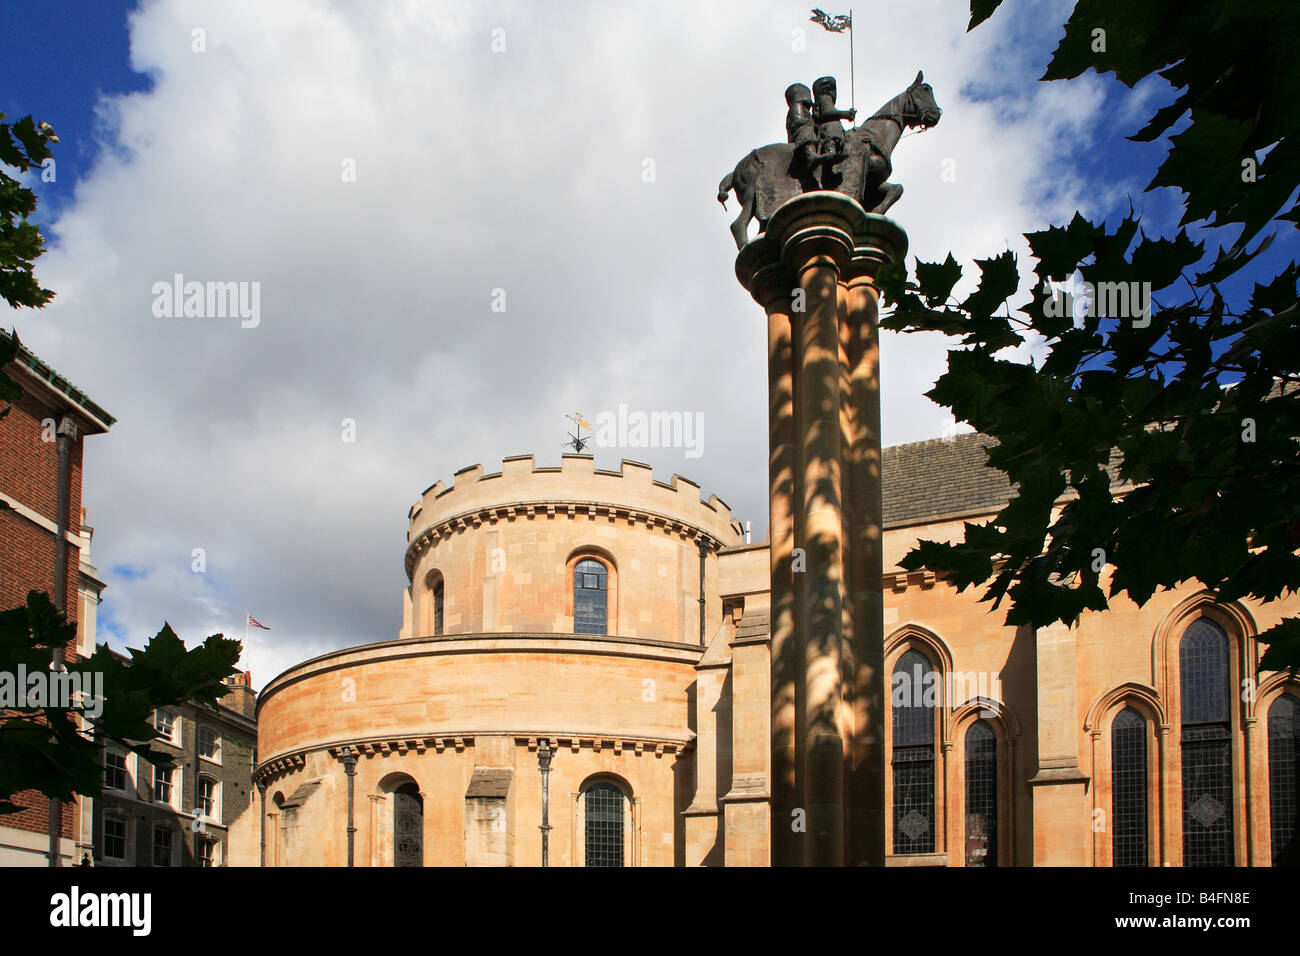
(577, 442)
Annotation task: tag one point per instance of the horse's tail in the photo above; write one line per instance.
(724, 187)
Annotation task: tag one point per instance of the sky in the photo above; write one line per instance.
(461, 222)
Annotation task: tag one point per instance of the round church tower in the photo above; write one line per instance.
(559, 609)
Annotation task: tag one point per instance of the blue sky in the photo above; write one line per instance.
(477, 169)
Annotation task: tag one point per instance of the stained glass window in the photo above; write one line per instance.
(913, 700)
(981, 795)
(1205, 696)
(1128, 789)
(1283, 778)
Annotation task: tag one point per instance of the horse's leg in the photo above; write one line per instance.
(740, 228)
(891, 192)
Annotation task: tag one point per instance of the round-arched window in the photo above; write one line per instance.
(590, 597)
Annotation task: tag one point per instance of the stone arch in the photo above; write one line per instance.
(1006, 729)
(429, 623)
(1097, 724)
(1236, 622)
(1240, 629)
(595, 553)
(398, 821)
(628, 828)
(922, 640)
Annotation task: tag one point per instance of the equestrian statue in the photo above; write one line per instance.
(820, 154)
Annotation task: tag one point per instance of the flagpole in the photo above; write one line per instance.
(246, 613)
(853, 85)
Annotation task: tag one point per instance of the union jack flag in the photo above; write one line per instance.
(253, 622)
(835, 24)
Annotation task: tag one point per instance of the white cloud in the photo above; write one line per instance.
(475, 171)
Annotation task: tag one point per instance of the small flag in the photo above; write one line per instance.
(253, 622)
(835, 24)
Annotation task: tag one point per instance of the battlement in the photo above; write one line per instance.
(576, 488)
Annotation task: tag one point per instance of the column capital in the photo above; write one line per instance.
(878, 243)
(819, 227)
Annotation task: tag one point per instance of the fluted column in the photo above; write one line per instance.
(812, 272)
(874, 247)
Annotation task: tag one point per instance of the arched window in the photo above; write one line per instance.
(1205, 701)
(1128, 788)
(981, 795)
(603, 825)
(913, 697)
(1283, 778)
(437, 606)
(408, 826)
(590, 597)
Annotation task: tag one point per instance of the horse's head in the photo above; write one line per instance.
(922, 110)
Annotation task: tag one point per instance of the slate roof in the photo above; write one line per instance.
(942, 476)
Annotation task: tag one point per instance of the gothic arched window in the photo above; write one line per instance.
(590, 597)
(1283, 778)
(1205, 700)
(1128, 789)
(981, 795)
(603, 825)
(913, 697)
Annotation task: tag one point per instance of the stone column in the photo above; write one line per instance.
(812, 272)
(874, 247)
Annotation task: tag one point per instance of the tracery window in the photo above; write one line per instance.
(1205, 700)
(981, 795)
(590, 597)
(603, 825)
(1128, 788)
(913, 700)
(1283, 778)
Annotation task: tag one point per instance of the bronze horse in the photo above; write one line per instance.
(767, 177)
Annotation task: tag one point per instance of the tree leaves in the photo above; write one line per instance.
(20, 241)
(43, 748)
(1158, 438)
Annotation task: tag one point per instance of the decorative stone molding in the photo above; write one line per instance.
(523, 492)
(530, 510)
(637, 745)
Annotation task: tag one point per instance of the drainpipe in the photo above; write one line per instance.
(261, 789)
(704, 550)
(348, 757)
(544, 765)
(67, 433)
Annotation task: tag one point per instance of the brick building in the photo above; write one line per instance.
(180, 816)
(49, 422)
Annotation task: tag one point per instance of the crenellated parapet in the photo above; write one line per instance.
(522, 491)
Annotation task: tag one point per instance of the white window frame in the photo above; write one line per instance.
(122, 818)
(216, 737)
(216, 849)
(174, 738)
(215, 816)
(126, 756)
(153, 844)
(174, 799)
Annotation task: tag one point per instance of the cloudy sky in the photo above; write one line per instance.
(388, 171)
